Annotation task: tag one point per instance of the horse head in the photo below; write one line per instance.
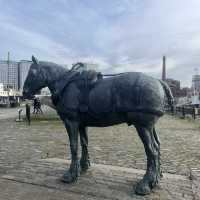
(35, 79)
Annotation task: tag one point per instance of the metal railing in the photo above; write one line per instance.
(183, 111)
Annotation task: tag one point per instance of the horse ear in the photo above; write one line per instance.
(35, 60)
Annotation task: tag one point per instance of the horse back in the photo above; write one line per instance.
(103, 98)
(129, 92)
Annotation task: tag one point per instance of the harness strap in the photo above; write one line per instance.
(84, 83)
(110, 75)
(58, 94)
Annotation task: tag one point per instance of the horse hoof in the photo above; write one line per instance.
(142, 188)
(85, 166)
(69, 178)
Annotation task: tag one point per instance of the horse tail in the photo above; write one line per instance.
(168, 93)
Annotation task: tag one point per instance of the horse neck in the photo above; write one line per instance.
(53, 74)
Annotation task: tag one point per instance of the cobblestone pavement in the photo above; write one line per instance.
(116, 145)
(8, 113)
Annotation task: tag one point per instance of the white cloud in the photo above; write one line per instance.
(121, 35)
(35, 43)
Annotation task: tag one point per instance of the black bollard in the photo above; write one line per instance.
(28, 114)
(194, 112)
(20, 111)
(183, 112)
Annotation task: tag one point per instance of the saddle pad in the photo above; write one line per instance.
(100, 98)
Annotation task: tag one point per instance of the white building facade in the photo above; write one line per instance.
(23, 68)
(13, 74)
(9, 74)
(196, 82)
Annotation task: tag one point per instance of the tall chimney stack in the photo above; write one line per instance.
(164, 69)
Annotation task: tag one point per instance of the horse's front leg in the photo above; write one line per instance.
(74, 171)
(84, 161)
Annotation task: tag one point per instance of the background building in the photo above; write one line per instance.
(4, 73)
(1, 87)
(196, 83)
(9, 74)
(175, 85)
(12, 81)
(13, 73)
(23, 68)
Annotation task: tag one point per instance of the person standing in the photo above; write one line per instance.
(34, 105)
(39, 109)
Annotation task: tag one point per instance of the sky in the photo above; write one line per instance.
(118, 35)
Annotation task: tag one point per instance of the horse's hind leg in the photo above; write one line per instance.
(158, 147)
(152, 149)
(84, 161)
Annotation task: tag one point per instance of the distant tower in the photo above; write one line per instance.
(196, 81)
(164, 69)
(196, 71)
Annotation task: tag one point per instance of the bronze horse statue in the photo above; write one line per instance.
(86, 99)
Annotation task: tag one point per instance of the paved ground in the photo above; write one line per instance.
(8, 112)
(101, 182)
(116, 146)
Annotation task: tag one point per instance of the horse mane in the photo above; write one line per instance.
(53, 66)
(52, 70)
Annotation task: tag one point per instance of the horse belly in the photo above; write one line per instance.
(104, 121)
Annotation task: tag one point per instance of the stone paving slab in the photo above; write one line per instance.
(195, 177)
(100, 182)
(6, 113)
(11, 190)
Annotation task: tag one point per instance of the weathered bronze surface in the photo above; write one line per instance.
(84, 98)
